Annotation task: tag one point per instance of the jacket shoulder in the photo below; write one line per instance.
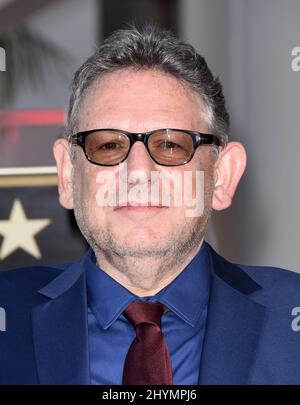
(269, 276)
(280, 287)
(272, 285)
(21, 284)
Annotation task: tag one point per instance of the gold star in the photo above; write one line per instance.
(19, 231)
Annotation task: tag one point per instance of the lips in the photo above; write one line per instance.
(139, 204)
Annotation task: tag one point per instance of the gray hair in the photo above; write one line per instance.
(149, 47)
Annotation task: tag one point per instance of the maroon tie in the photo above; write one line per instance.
(148, 360)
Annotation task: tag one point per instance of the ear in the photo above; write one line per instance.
(62, 154)
(229, 169)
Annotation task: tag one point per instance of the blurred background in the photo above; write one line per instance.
(248, 44)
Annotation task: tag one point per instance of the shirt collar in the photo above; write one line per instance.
(187, 295)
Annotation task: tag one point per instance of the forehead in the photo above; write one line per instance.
(141, 101)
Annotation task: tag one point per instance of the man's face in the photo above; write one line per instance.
(140, 101)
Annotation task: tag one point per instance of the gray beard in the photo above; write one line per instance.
(163, 256)
(137, 262)
(178, 245)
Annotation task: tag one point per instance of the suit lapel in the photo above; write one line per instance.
(60, 330)
(234, 325)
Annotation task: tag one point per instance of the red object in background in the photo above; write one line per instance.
(12, 121)
(32, 117)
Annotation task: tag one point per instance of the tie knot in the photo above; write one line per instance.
(145, 312)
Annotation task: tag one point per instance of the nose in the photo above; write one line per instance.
(139, 158)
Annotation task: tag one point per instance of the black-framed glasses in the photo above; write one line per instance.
(167, 147)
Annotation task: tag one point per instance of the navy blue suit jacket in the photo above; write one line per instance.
(249, 336)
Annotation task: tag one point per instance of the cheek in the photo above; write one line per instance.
(85, 186)
(209, 186)
(92, 183)
(200, 173)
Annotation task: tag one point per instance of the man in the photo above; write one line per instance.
(151, 302)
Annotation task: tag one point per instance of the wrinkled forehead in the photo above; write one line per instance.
(141, 101)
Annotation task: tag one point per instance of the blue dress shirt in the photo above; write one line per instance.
(111, 334)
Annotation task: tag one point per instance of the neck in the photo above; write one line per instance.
(145, 276)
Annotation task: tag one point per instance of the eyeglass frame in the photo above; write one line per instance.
(198, 138)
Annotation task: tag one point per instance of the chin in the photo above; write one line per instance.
(131, 229)
(140, 239)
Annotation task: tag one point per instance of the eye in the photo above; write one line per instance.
(109, 146)
(168, 145)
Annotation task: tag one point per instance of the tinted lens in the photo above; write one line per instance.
(106, 147)
(170, 147)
